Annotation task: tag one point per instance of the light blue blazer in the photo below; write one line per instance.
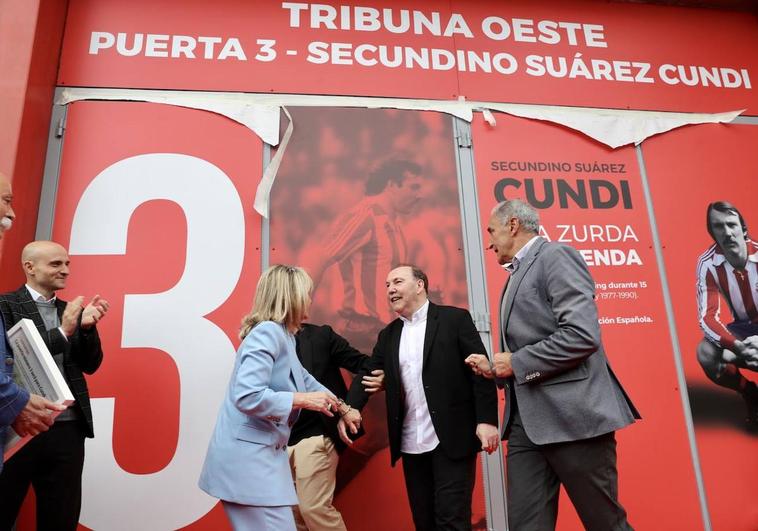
(247, 459)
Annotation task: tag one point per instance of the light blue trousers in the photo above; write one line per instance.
(256, 518)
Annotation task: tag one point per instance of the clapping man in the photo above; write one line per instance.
(53, 461)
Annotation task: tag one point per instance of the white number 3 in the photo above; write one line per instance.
(172, 321)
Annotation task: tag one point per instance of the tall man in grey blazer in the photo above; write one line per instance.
(563, 402)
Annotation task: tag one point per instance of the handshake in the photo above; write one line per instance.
(328, 404)
(350, 421)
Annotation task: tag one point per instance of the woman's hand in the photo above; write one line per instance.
(351, 420)
(320, 401)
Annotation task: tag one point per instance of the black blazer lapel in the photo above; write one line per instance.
(394, 350)
(31, 310)
(432, 323)
(60, 306)
(305, 352)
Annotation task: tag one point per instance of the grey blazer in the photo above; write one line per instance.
(564, 388)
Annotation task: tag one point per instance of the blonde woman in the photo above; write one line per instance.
(246, 465)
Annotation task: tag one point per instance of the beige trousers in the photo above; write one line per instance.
(314, 469)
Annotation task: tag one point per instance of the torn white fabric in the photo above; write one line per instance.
(261, 119)
(263, 192)
(242, 107)
(489, 117)
(260, 114)
(614, 128)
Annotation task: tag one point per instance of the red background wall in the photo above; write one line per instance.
(686, 168)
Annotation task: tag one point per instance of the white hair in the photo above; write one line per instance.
(522, 211)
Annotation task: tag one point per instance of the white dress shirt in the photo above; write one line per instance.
(37, 296)
(418, 432)
(513, 264)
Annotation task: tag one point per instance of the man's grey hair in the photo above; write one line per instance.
(521, 210)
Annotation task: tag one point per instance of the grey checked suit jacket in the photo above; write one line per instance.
(564, 388)
(82, 353)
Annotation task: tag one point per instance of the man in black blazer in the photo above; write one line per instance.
(52, 462)
(439, 415)
(314, 443)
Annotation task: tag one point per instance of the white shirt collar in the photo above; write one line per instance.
(38, 297)
(513, 264)
(418, 315)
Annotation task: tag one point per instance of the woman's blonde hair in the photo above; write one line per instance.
(282, 296)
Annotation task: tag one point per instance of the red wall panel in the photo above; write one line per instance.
(519, 156)
(688, 169)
